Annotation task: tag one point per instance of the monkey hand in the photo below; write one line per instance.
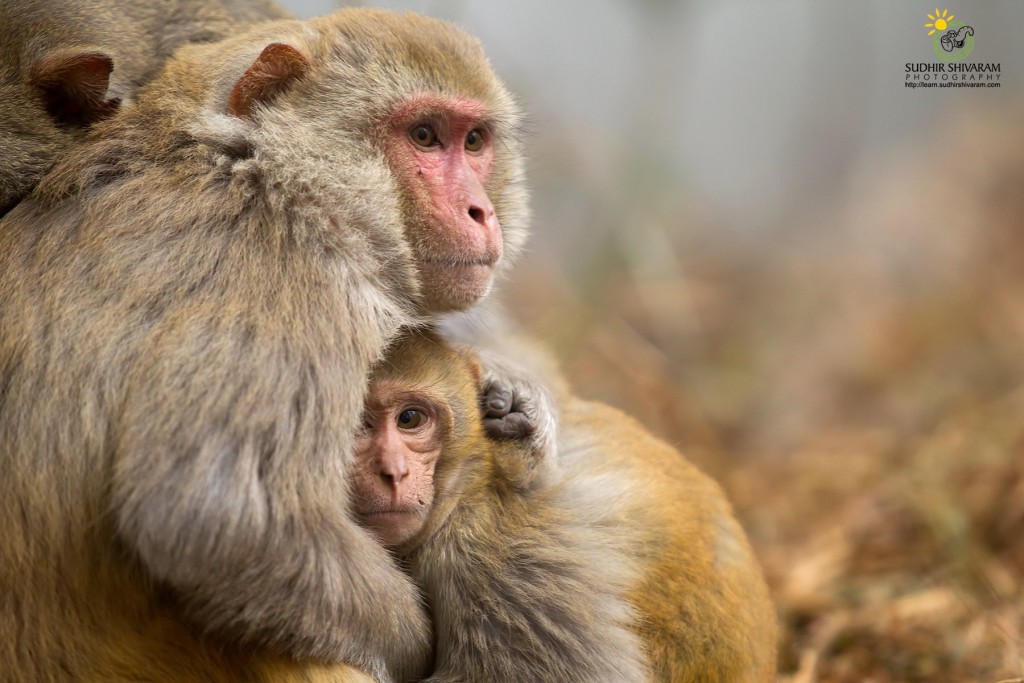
(505, 414)
(516, 406)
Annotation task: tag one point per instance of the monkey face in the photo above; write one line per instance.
(441, 151)
(421, 424)
(401, 132)
(396, 453)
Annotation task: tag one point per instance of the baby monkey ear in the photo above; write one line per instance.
(277, 66)
(73, 84)
(473, 365)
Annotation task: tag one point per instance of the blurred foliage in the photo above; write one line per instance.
(857, 384)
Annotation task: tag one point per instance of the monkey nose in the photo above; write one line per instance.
(483, 215)
(394, 471)
(480, 214)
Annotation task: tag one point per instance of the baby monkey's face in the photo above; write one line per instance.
(397, 452)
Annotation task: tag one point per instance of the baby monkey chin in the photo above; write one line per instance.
(394, 525)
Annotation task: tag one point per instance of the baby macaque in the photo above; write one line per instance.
(66, 64)
(520, 587)
(620, 562)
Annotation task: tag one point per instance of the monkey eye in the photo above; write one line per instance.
(424, 135)
(474, 140)
(411, 418)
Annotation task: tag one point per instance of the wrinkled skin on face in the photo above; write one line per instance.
(429, 409)
(441, 151)
(396, 454)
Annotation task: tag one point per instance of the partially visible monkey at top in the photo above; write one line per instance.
(66, 64)
(616, 560)
(189, 308)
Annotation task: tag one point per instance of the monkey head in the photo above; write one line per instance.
(421, 421)
(44, 111)
(394, 125)
(430, 431)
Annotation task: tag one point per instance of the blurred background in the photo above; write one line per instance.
(752, 236)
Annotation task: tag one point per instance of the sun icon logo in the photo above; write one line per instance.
(941, 21)
(953, 40)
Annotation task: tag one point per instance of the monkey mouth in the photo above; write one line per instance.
(393, 525)
(384, 511)
(454, 283)
(472, 273)
(388, 513)
(487, 261)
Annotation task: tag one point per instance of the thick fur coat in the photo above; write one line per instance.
(189, 307)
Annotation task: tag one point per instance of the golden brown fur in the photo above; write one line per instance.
(159, 647)
(189, 308)
(137, 37)
(706, 615)
(618, 562)
(520, 586)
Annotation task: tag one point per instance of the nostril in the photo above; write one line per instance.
(393, 477)
(477, 214)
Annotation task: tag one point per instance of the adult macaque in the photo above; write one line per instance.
(66, 64)
(621, 562)
(189, 308)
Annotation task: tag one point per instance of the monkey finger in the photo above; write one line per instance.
(523, 401)
(512, 426)
(497, 400)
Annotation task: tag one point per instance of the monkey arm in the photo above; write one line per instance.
(232, 456)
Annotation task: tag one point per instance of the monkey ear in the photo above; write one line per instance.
(73, 84)
(277, 66)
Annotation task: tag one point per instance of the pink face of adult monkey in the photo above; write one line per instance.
(443, 153)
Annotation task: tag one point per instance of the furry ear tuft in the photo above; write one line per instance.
(73, 84)
(474, 369)
(277, 66)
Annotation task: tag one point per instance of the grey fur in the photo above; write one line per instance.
(527, 585)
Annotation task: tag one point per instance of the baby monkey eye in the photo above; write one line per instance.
(474, 140)
(423, 135)
(411, 419)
